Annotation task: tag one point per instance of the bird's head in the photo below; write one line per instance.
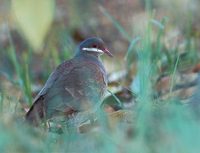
(93, 46)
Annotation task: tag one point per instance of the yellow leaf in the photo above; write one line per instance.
(33, 18)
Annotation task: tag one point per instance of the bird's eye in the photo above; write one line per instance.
(94, 46)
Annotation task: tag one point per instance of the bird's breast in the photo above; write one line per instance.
(90, 82)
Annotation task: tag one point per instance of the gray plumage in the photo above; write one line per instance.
(75, 85)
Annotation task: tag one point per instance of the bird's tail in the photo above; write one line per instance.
(36, 113)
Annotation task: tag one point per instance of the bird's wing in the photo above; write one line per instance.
(65, 67)
(37, 110)
(82, 84)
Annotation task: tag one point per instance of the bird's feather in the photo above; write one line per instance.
(74, 85)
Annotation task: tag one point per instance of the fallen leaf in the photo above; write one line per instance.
(33, 18)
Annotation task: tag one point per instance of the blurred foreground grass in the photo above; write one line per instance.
(163, 126)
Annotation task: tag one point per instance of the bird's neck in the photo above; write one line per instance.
(90, 58)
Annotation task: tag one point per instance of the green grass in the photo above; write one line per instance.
(22, 70)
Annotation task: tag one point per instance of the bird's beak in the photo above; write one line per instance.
(108, 52)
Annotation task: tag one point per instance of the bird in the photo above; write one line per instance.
(76, 85)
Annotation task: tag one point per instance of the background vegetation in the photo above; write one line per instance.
(153, 75)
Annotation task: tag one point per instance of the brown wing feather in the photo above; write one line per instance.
(36, 112)
(81, 88)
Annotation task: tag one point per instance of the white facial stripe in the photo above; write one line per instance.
(94, 50)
